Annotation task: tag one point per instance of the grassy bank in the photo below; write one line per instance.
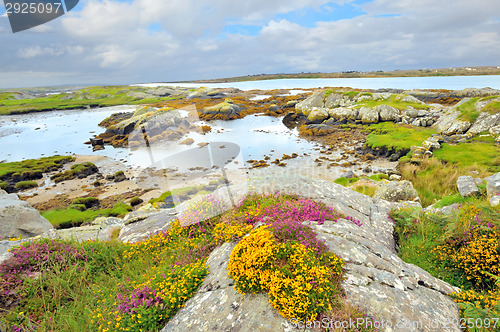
(19, 175)
(99, 96)
(435, 178)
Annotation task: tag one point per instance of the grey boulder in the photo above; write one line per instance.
(18, 218)
(467, 186)
(396, 191)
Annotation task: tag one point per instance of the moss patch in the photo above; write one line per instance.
(72, 217)
(468, 111)
(393, 101)
(23, 185)
(493, 107)
(42, 165)
(79, 171)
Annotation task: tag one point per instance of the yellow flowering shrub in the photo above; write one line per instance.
(157, 243)
(224, 232)
(475, 257)
(300, 283)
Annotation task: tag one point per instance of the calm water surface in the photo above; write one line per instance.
(406, 83)
(64, 132)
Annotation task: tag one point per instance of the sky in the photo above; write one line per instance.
(140, 41)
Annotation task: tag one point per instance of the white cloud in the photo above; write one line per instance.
(114, 55)
(115, 43)
(56, 50)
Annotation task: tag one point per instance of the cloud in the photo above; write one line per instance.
(109, 41)
(57, 50)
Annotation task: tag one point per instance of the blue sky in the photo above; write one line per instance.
(121, 42)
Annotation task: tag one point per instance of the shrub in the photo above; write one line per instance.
(301, 284)
(88, 202)
(463, 249)
(135, 201)
(79, 207)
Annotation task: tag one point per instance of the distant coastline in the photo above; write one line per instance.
(456, 71)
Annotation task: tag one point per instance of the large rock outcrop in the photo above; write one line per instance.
(18, 218)
(342, 107)
(377, 280)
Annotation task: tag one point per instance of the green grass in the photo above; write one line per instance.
(468, 111)
(3, 185)
(451, 199)
(391, 101)
(493, 107)
(42, 165)
(72, 217)
(99, 96)
(435, 180)
(481, 151)
(417, 235)
(351, 94)
(396, 136)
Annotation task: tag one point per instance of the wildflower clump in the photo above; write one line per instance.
(269, 208)
(115, 286)
(301, 284)
(473, 247)
(463, 248)
(149, 305)
(33, 258)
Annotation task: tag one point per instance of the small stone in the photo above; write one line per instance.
(395, 177)
(348, 175)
